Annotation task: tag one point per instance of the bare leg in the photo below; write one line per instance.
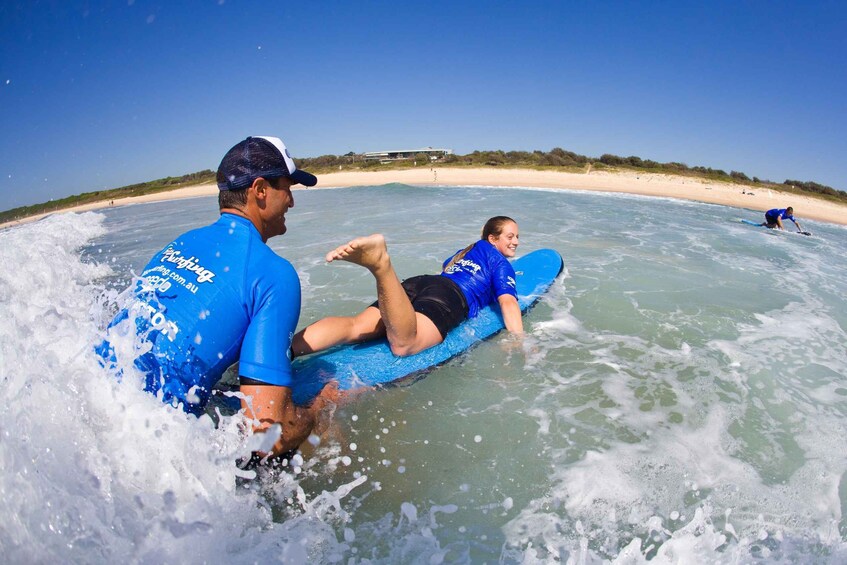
(335, 330)
(397, 313)
(407, 331)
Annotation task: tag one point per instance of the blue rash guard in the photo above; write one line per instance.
(483, 275)
(772, 215)
(214, 296)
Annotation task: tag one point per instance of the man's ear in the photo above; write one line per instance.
(260, 188)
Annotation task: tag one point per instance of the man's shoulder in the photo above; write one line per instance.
(264, 261)
(208, 233)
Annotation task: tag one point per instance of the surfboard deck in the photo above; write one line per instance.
(759, 224)
(373, 364)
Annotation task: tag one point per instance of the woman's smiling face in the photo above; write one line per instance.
(508, 240)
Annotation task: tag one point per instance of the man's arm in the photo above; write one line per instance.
(272, 404)
(511, 313)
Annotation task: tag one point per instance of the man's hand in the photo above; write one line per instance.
(323, 406)
(271, 404)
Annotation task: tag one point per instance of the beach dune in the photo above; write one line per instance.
(646, 184)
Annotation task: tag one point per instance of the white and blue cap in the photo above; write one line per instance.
(259, 156)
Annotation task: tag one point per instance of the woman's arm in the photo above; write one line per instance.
(511, 313)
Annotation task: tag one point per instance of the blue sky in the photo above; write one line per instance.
(102, 94)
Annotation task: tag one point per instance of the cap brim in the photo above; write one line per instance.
(304, 178)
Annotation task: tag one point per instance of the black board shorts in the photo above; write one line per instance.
(438, 298)
(771, 219)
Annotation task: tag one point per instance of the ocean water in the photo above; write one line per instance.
(680, 397)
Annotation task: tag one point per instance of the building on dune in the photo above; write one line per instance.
(398, 155)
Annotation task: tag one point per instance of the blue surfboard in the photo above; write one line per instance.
(759, 224)
(373, 364)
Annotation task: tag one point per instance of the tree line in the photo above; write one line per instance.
(559, 158)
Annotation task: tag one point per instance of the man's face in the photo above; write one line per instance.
(279, 200)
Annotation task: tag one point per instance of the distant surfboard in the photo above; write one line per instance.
(759, 224)
(373, 364)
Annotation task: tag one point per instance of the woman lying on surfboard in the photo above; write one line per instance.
(419, 312)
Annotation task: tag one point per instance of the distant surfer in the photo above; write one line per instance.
(419, 312)
(773, 218)
(219, 294)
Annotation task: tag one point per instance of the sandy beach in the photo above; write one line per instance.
(658, 185)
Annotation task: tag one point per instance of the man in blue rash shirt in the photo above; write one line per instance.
(219, 294)
(773, 218)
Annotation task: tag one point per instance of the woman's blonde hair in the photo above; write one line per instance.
(494, 226)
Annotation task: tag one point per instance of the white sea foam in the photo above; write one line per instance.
(95, 470)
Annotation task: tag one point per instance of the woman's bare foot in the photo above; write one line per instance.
(370, 252)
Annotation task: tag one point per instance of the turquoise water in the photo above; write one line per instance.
(680, 396)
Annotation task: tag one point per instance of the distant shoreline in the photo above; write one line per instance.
(645, 184)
